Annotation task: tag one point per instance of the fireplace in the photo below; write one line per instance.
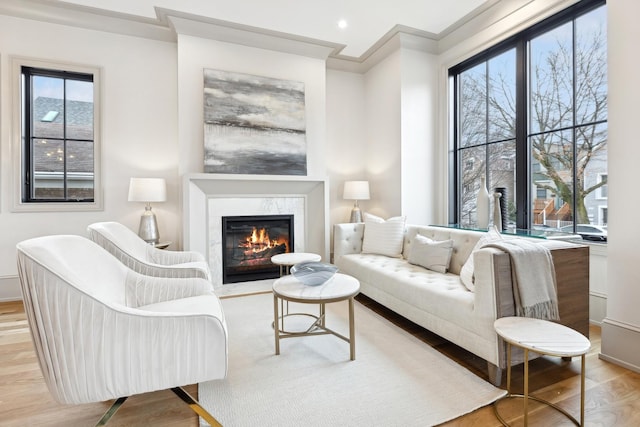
(249, 242)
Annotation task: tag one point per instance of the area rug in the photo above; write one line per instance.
(243, 288)
(396, 380)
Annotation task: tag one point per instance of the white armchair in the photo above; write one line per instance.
(102, 331)
(144, 258)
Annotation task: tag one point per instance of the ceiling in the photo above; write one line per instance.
(367, 21)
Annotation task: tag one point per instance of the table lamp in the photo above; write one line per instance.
(356, 190)
(148, 190)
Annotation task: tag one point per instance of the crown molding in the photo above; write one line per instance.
(88, 18)
(169, 23)
(215, 29)
(399, 37)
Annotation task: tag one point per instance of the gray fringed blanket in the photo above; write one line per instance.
(533, 277)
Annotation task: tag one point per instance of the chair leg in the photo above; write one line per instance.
(195, 406)
(111, 411)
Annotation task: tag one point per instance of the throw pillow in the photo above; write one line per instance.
(383, 237)
(431, 254)
(466, 272)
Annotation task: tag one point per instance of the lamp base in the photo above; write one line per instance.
(148, 230)
(356, 214)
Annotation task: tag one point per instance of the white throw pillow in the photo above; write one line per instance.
(466, 272)
(383, 237)
(431, 254)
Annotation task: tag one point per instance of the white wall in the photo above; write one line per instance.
(419, 94)
(139, 126)
(400, 100)
(621, 327)
(346, 149)
(383, 135)
(152, 100)
(195, 54)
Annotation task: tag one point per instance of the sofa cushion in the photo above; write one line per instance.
(463, 242)
(442, 296)
(466, 273)
(431, 254)
(383, 237)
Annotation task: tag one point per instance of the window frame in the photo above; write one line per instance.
(523, 197)
(18, 148)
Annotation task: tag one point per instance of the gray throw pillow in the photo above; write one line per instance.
(431, 254)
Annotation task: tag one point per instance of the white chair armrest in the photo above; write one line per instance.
(142, 290)
(164, 257)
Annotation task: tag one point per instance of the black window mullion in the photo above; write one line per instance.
(574, 134)
(486, 124)
(454, 120)
(27, 165)
(522, 195)
(64, 140)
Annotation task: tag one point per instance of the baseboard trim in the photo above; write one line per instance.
(620, 344)
(619, 362)
(597, 308)
(10, 289)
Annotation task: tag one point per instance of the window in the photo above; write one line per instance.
(531, 113)
(604, 215)
(59, 138)
(602, 192)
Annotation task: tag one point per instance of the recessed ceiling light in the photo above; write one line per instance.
(342, 24)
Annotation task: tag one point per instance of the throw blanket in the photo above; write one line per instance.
(533, 277)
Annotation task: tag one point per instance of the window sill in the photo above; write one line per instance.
(58, 207)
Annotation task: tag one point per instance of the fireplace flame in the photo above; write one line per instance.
(259, 241)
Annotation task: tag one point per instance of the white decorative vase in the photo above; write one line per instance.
(497, 214)
(482, 206)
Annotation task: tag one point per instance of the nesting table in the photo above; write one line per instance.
(339, 288)
(545, 338)
(288, 259)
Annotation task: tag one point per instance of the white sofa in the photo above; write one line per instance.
(440, 302)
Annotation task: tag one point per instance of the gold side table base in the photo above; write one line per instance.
(537, 399)
(526, 397)
(318, 327)
(317, 324)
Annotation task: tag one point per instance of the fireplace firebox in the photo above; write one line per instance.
(249, 242)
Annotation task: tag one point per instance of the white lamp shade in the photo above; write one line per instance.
(147, 190)
(356, 190)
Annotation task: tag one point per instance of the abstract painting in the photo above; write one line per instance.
(253, 125)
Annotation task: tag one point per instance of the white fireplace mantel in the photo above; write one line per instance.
(200, 189)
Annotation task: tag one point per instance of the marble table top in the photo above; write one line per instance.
(292, 258)
(542, 336)
(340, 286)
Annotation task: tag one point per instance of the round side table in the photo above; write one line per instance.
(292, 258)
(340, 287)
(546, 338)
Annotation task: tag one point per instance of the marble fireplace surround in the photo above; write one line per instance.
(208, 197)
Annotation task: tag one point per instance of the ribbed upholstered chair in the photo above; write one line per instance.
(102, 331)
(142, 257)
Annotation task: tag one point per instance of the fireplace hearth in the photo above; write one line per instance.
(249, 242)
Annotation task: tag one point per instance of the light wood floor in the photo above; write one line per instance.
(612, 397)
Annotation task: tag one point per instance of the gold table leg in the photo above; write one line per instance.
(508, 368)
(525, 396)
(352, 329)
(276, 329)
(526, 387)
(582, 375)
